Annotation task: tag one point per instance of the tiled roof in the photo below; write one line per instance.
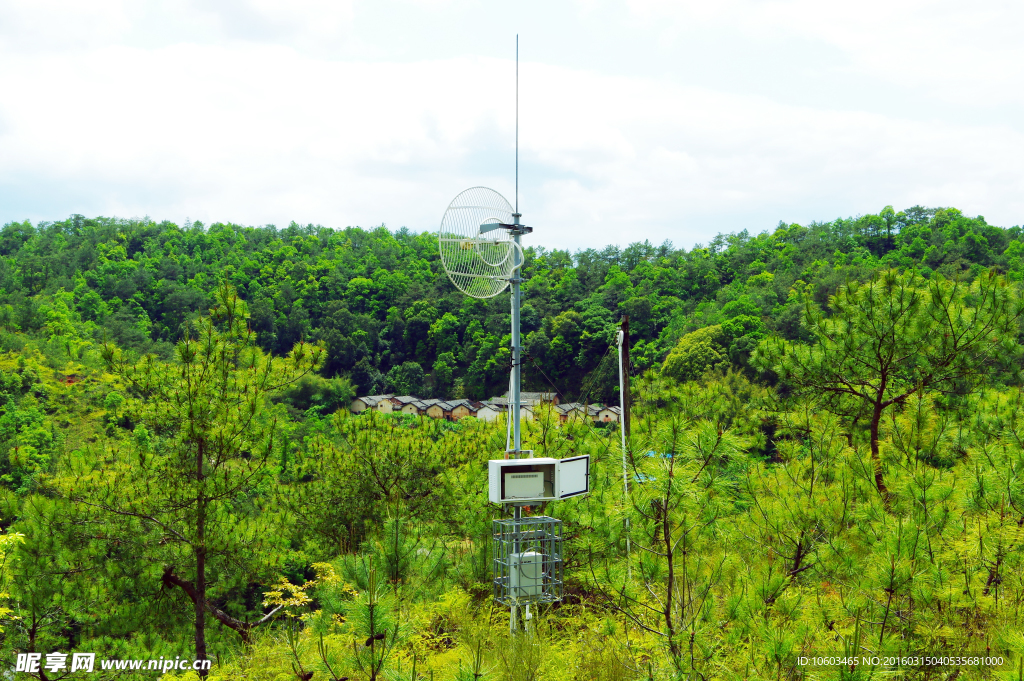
(373, 400)
(497, 404)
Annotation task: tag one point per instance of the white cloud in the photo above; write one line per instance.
(955, 50)
(263, 20)
(33, 25)
(685, 157)
(254, 129)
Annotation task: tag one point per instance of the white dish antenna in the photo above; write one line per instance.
(476, 239)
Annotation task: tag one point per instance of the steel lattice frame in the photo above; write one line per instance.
(539, 534)
(479, 264)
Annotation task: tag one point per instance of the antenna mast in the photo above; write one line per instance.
(480, 244)
(517, 375)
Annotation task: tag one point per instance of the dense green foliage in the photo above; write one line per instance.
(390, 319)
(175, 478)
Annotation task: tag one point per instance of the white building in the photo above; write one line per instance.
(486, 412)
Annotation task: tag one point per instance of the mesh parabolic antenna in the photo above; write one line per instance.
(477, 247)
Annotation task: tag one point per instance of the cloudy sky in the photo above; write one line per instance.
(639, 119)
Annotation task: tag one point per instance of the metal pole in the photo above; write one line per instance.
(516, 361)
(514, 397)
(513, 615)
(623, 405)
(622, 416)
(627, 394)
(516, 292)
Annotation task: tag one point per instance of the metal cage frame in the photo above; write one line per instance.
(516, 537)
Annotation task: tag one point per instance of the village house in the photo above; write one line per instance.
(486, 412)
(577, 410)
(400, 402)
(381, 403)
(569, 409)
(480, 410)
(461, 409)
(440, 410)
(419, 407)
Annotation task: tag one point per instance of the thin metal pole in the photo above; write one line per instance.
(508, 418)
(514, 397)
(622, 430)
(517, 443)
(516, 363)
(514, 564)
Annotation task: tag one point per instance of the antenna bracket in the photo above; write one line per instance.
(515, 228)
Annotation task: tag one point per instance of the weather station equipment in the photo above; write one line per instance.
(481, 251)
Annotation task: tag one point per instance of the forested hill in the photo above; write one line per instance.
(391, 320)
(221, 505)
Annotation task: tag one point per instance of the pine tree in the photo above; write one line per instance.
(894, 335)
(193, 489)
